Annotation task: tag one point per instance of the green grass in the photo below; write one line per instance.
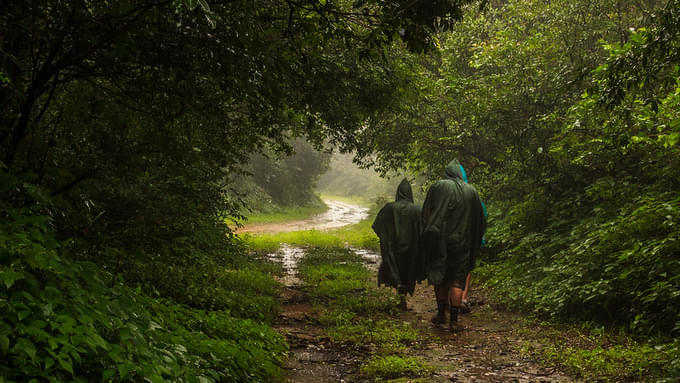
(359, 235)
(283, 214)
(393, 366)
(593, 352)
(355, 311)
(389, 336)
(609, 364)
(605, 357)
(355, 200)
(269, 243)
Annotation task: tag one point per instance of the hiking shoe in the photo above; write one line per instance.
(439, 318)
(454, 327)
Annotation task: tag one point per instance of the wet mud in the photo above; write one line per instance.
(487, 351)
(312, 358)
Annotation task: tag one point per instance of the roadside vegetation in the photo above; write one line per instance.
(359, 235)
(590, 352)
(65, 319)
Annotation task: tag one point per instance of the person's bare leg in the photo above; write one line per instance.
(455, 296)
(465, 307)
(466, 291)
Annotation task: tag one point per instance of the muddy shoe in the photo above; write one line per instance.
(454, 327)
(453, 320)
(439, 318)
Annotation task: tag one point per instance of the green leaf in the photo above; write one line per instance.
(66, 363)
(107, 374)
(8, 277)
(123, 370)
(4, 344)
(26, 346)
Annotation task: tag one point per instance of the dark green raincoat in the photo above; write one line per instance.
(398, 226)
(453, 229)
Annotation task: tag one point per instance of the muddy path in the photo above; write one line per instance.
(338, 214)
(489, 350)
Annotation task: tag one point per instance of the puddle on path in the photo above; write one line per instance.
(371, 258)
(288, 256)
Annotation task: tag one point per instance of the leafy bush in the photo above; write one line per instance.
(65, 320)
(615, 266)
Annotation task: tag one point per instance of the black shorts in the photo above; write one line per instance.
(457, 268)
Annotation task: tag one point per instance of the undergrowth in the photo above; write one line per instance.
(67, 320)
(393, 366)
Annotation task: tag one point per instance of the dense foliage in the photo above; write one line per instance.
(126, 125)
(566, 116)
(66, 320)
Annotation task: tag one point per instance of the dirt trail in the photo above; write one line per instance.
(338, 214)
(487, 351)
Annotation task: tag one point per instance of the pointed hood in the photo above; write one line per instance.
(454, 170)
(404, 191)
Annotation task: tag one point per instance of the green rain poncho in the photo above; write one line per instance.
(398, 226)
(454, 226)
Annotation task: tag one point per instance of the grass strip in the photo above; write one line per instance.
(355, 311)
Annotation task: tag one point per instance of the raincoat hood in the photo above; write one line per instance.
(404, 191)
(454, 170)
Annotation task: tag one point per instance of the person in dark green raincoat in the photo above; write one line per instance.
(452, 236)
(398, 225)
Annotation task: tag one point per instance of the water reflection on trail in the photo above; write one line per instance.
(290, 255)
(338, 214)
(371, 258)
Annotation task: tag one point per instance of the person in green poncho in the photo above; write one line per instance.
(398, 225)
(452, 236)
